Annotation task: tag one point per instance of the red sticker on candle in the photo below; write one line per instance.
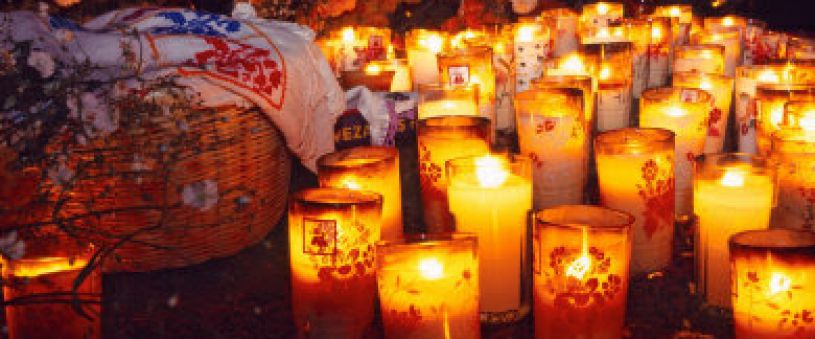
(689, 95)
(319, 236)
(459, 75)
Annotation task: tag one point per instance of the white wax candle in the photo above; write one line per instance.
(424, 67)
(447, 107)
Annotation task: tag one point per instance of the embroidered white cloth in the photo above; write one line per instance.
(229, 61)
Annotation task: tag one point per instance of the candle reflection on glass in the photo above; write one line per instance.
(581, 259)
(773, 284)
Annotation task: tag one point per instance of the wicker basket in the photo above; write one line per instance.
(234, 160)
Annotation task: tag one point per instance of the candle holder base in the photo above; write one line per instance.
(504, 318)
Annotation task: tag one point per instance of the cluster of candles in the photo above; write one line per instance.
(638, 108)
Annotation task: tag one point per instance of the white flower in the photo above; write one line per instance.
(42, 62)
(12, 247)
(202, 195)
(94, 113)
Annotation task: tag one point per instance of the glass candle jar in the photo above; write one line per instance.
(429, 286)
(770, 101)
(747, 79)
(581, 259)
(422, 47)
(38, 286)
(699, 58)
(635, 168)
(721, 87)
(683, 111)
(563, 22)
(581, 82)
(332, 233)
(436, 100)
(611, 65)
(402, 81)
(638, 31)
(441, 139)
(660, 52)
(471, 66)
(794, 152)
(532, 45)
(752, 33)
(552, 133)
(730, 39)
(773, 284)
(601, 14)
(732, 193)
(491, 196)
(681, 20)
(369, 168)
(801, 51)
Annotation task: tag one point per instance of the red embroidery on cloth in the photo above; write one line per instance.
(246, 66)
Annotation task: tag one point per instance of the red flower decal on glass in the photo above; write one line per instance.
(657, 192)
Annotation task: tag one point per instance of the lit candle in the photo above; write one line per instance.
(428, 287)
(563, 22)
(491, 197)
(552, 133)
(332, 233)
(471, 66)
(635, 169)
(729, 39)
(794, 151)
(611, 65)
(771, 99)
(681, 20)
(747, 79)
(774, 284)
(601, 14)
(351, 50)
(441, 139)
(38, 289)
(752, 33)
(437, 100)
(581, 259)
(733, 192)
(422, 47)
(581, 82)
(660, 52)
(532, 47)
(638, 31)
(683, 111)
(502, 42)
(376, 76)
(369, 168)
(721, 87)
(699, 58)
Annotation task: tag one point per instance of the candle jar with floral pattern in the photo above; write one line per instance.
(581, 258)
(635, 168)
(428, 286)
(332, 233)
(563, 23)
(773, 284)
(793, 149)
(721, 88)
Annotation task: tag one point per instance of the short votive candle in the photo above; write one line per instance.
(635, 169)
(429, 286)
(732, 193)
(773, 284)
(332, 233)
(581, 260)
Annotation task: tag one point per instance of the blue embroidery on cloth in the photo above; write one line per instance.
(201, 23)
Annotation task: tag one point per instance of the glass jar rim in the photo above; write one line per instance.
(557, 217)
(644, 135)
(336, 197)
(774, 240)
(356, 157)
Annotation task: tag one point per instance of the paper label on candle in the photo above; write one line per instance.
(689, 95)
(319, 236)
(459, 75)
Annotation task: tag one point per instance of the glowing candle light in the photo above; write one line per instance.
(635, 169)
(681, 20)
(491, 197)
(332, 233)
(376, 76)
(563, 22)
(733, 193)
(422, 47)
(794, 151)
(660, 52)
(771, 99)
(581, 256)
(773, 284)
(429, 287)
(611, 66)
(471, 66)
(601, 14)
(730, 39)
(683, 111)
(721, 87)
(437, 100)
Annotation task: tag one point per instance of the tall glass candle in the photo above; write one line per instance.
(428, 287)
(638, 31)
(635, 168)
(441, 139)
(551, 132)
(681, 19)
(532, 46)
(770, 101)
(752, 33)
(794, 152)
(422, 47)
(683, 111)
(369, 168)
(38, 287)
(491, 197)
(563, 23)
(581, 259)
(581, 82)
(747, 79)
(721, 87)
(699, 58)
(436, 100)
(660, 52)
(773, 284)
(730, 39)
(733, 192)
(332, 233)
(471, 66)
(611, 65)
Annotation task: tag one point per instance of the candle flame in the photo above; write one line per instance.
(38, 267)
(656, 33)
(350, 184)
(733, 178)
(348, 35)
(705, 84)
(728, 21)
(432, 42)
(573, 63)
(431, 269)
(499, 47)
(706, 54)
(605, 73)
(579, 267)
(768, 76)
(373, 69)
(776, 115)
(675, 12)
(490, 171)
(779, 283)
(675, 112)
(602, 8)
(807, 122)
(603, 33)
(526, 33)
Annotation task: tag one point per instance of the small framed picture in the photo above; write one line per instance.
(459, 75)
